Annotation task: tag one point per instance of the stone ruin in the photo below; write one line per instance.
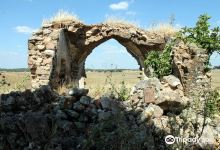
(43, 119)
(57, 52)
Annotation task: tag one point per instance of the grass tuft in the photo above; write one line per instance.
(163, 28)
(62, 16)
(115, 21)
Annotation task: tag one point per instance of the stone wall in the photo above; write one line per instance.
(57, 52)
(42, 52)
(43, 119)
(189, 66)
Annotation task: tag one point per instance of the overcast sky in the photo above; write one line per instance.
(19, 18)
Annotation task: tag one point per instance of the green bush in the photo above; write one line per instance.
(123, 92)
(212, 101)
(160, 62)
(204, 36)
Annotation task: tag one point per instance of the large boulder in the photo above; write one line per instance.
(168, 94)
(172, 81)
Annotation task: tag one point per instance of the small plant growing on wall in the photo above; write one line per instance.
(212, 103)
(202, 35)
(160, 62)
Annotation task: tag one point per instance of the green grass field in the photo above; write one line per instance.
(95, 81)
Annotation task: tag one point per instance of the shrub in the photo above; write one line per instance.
(160, 62)
(204, 36)
(201, 34)
(212, 101)
(123, 92)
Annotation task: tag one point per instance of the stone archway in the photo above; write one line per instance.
(57, 52)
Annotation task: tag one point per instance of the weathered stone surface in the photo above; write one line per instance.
(70, 28)
(42, 71)
(147, 114)
(47, 40)
(158, 112)
(207, 139)
(161, 124)
(47, 25)
(41, 47)
(151, 82)
(135, 99)
(78, 106)
(172, 80)
(169, 100)
(78, 92)
(149, 95)
(85, 100)
(66, 102)
(50, 46)
(46, 62)
(72, 113)
(9, 101)
(152, 111)
(46, 31)
(102, 115)
(153, 91)
(105, 102)
(108, 103)
(35, 38)
(49, 52)
(188, 70)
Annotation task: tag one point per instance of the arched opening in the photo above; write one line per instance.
(111, 67)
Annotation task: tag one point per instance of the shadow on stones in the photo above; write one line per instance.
(45, 120)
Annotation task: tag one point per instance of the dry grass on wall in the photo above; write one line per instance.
(116, 21)
(163, 28)
(62, 16)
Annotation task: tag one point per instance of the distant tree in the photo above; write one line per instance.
(216, 67)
